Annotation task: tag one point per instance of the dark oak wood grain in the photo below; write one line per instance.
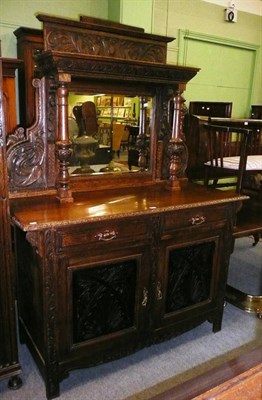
(110, 263)
(9, 363)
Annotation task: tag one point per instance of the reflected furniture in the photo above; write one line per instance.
(109, 263)
(9, 361)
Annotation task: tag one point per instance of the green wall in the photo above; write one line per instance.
(172, 18)
(16, 13)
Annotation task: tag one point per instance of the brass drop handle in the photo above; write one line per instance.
(159, 294)
(198, 220)
(107, 235)
(145, 297)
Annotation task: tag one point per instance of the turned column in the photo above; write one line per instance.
(63, 144)
(177, 149)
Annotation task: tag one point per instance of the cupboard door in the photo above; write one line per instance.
(188, 280)
(107, 301)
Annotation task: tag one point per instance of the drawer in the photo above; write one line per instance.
(194, 217)
(102, 232)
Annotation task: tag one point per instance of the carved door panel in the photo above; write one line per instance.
(106, 299)
(187, 285)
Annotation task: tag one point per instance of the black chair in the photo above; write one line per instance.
(233, 153)
(237, 152)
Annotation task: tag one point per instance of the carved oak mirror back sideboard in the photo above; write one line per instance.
(110, 260)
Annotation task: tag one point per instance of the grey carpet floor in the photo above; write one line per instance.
(159, 367)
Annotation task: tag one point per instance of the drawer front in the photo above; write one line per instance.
(194, 217)
(107, 231)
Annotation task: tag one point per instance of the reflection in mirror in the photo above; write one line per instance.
(109, 133)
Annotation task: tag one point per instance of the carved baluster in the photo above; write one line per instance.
(177, 149)
(63, 145)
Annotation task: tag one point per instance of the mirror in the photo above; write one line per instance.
(107, 132)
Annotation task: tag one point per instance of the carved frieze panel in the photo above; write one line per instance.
(106, 45)
(103, 40)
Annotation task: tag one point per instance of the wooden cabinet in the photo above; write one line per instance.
(9, 66)
(256, 111)
(211, 108)
(111, 262)
(29, 45)
(9, 363)
(96, 284)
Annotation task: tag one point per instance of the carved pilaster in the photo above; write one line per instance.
(52, 386)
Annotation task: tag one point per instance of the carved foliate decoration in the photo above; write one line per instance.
(106, 45)
(51, 120)
(178, 156)
(26, 149)
(189, 276)
(103, 299)
(143, 147)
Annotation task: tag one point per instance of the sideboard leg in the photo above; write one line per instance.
(52, 389)
(217, 323)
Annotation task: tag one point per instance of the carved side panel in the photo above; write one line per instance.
(27, 149)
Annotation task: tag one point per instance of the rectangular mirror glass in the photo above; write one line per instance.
(105, 129)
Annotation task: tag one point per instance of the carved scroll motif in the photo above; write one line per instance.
(26, 149)
(107, 46)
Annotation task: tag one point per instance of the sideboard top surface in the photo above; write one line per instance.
(47, 212)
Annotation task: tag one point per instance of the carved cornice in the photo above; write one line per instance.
(100, 68)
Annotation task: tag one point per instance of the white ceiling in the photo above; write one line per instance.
(250, 6)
